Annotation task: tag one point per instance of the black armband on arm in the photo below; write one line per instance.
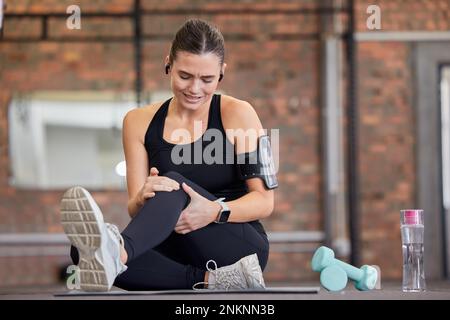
(258, 164)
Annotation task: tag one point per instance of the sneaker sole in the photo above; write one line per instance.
(81, 223)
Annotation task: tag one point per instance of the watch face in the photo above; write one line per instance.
(224, 216)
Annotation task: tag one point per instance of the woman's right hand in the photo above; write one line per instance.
(155, 183)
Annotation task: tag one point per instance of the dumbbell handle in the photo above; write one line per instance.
(352, 272)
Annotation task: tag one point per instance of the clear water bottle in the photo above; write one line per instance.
(412, 229)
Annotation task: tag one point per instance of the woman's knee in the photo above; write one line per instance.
(180, 179)
(175, 176)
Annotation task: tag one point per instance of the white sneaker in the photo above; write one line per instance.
(244, 274)
(98, 243)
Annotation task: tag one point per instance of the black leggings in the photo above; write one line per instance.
(159, 258)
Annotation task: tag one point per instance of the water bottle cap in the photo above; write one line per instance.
(412, 216)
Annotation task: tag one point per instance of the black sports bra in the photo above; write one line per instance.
(220, 177)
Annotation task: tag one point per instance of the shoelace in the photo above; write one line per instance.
(204, 282)
(115, 231)
(224, 278)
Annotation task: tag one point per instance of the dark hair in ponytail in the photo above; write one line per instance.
(198, 37)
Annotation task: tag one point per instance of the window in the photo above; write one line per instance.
(58, 140)
(445, 147)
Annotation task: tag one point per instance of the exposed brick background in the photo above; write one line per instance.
(280, 78)
(387, 161)
(407, 15)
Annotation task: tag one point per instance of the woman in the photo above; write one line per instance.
(178, 178)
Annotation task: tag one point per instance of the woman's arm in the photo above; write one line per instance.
(135, 157)
(142, 183)
(259, 202)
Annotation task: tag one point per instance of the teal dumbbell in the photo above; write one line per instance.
(365, 278)
(333, 278)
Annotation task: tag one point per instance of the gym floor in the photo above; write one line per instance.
(389, 291)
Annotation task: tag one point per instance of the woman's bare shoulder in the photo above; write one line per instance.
(138, 119)
(144, 113)
(237, 113)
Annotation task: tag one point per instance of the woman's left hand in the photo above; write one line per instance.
(199, 213)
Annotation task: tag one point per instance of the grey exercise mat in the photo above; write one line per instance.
(270, 290)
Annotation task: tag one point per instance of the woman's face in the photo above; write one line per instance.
(194, 78)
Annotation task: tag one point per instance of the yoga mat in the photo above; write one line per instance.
(270, 290)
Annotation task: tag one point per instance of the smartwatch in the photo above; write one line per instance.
(224, 213)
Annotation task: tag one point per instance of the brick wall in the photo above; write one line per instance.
(407, 15)
(279, 75)
(272, 87)
(387, 160)
(387, 125)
